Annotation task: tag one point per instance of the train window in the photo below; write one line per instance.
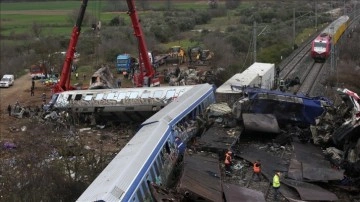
(157, 164)
(88, 97)
(139, 196)
(110, 96)
(69, 97)
(158, 94)
(145, 94)
(78, 97)
(144, 187)
(170, 94)
(167, 148)
(133, 95)
(121, 96)
(99, 96)
(152, 174)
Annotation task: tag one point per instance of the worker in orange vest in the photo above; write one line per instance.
(257, 169)
(228, 162)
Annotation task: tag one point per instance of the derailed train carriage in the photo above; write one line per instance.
(151, 154)
(122, 104)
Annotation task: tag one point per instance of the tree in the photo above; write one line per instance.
(213, 4)
(232, 4)
(36, 29)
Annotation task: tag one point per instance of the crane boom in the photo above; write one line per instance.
(144, 60)
(64, 83)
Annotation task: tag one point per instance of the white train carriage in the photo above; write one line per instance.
(151, 154)
(126, 104)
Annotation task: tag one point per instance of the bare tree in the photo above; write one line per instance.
(36, 29)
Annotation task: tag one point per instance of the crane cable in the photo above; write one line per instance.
(96, 25)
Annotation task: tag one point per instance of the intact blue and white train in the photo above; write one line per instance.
(151, 154)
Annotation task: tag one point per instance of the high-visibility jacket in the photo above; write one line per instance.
(276, 181)
(256, 167)
(227, 159)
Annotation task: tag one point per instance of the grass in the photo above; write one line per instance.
(46, 5)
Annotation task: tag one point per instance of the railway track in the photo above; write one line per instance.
(301, 65)
(309, 79)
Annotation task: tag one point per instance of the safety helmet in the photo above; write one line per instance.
(229, 152)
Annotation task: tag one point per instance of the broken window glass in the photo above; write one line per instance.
(88, 97)
(158, 94)
(170, 94)
(99, 96)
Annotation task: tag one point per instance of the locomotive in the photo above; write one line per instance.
(321, 45)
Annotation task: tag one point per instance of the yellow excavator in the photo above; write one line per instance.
(176, 55)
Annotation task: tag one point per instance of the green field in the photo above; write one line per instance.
(18, 18)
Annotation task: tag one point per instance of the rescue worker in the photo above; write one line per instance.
(32, 91)
(43, 97)
(228, 162)
(119, 82)
(77, 76)
(276, 184)
(9, 109)
(257, 169)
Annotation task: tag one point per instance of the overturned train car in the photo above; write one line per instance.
(151, 154)
(123, 104)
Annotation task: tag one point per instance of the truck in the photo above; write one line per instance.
(125, 63)
(38, 71)
(7, 80)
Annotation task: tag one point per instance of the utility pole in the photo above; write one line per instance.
(293, 28)
(332, 52)
(316, 14)
(254, 38)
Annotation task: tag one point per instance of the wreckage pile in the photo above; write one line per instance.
(319, 161)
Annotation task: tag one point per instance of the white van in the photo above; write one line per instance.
(7, 80)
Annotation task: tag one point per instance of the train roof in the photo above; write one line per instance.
(332, 27)
(189, 100)
(245, 78)
(323, 37)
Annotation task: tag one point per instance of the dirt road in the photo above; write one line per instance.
(20, 91)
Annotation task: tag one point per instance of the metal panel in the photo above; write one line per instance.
(269, 163)
(309, 163)
(311, 192)
(235, 193)
(201, 177)
(218, 139)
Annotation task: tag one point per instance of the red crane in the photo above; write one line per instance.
(144, 60)
(64, 83)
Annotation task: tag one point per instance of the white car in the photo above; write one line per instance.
(7, 81)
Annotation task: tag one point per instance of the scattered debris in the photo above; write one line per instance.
(103, 79)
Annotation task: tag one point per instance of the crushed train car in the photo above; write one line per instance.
(285, 107)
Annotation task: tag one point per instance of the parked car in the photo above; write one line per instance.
(7, 80)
